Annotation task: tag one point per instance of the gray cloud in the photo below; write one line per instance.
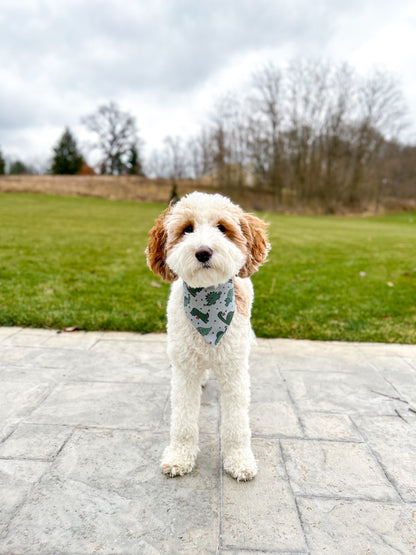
(59, 59)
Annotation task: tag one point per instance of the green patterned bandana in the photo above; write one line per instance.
(210, 309)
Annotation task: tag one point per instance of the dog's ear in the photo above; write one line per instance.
(156, 249)
(254, 230)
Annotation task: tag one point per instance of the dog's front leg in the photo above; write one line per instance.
(238, 458)
(179, 457)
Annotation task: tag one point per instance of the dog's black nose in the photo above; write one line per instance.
(203, 254)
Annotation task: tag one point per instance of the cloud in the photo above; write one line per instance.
(60, 60)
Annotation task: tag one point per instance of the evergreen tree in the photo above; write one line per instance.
(2, 164)
(134, 165)
(67, 158)
(18, 168)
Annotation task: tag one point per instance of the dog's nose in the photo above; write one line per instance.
(203, 254)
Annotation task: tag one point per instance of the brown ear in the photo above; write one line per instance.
(258, 245)
(156, 249)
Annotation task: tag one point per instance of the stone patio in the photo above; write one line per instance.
(84, 418)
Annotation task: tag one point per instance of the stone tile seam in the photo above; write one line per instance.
(105, 428)
(295, 407)
(355, 427)
(35, 348)
(233, 548)
(305, 539)
(50, 388)
(42, 459)
(136, 338)
(389, 478)
(404, 358)
(32, 459)
(409, 362)
(398, 399)
(305, 371)
(399, 503)
(156, 430)
(113, 491)
(12, 334)
(221, 482)
(90, 348)
(162, 382)
(19, 507)
(304, 438)
(13, 429)
(70, 436)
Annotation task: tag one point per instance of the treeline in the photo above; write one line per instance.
(313, 133)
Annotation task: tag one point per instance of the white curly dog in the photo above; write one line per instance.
(208, 247)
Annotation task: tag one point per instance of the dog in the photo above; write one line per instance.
(208, 248)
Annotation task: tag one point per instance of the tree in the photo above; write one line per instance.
(267, 103)
(116, 132)
(134, 164)
(67, 159)
(18, 168)
(2, 164)
(175, 157)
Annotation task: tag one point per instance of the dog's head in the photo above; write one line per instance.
(206, 240)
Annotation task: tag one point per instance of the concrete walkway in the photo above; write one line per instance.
(84, 418)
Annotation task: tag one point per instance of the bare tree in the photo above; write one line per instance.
(116, 134)
(380, 116)
(156, 164)
(175, 156)
(307, 103)
(266, 127)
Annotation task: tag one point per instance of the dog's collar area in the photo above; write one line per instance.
(210, 309)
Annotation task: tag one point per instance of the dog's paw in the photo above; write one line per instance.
(241, 466)
(175, 463)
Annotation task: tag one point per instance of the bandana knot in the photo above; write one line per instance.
(210, 309)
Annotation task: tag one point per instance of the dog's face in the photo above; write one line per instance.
(206, 240)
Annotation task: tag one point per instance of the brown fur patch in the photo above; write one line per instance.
(156, 249)
(254, 230)
(176, 232)
(242, 297)
(234, 233)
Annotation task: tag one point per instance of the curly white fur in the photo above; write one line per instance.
(238, 243)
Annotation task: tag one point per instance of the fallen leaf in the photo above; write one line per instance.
(362, 274)
(155, 284)
(72, 328)
(390, 284)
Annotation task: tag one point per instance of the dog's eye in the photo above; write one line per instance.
(188, 229)
(221, 228)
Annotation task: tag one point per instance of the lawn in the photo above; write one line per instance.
(68, 261)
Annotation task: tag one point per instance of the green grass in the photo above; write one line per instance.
(80, 262)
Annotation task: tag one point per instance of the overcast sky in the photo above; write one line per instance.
(165, 60)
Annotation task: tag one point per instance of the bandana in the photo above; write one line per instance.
(210, 309)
